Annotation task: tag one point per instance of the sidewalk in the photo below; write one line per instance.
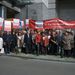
(43, 57)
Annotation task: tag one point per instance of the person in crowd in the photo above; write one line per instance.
(53, 43)
(42, 43)
(61, 46)
(45, 43)
(7, 42)
(72, 43)
(23, 45)
(28, 41)
(1, 43)
(19, 41)
(67, 44)
(74, 48)
(33, 42)
(14, 42)
(38, 40)
(58, 39)
(49, 46)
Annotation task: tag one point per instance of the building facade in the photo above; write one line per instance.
(39, 9)
(66, 9)
(7, 10)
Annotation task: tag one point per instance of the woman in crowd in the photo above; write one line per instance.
(19, 41)
(45, 43)
(67, 44)
(38, 40)
(72, 43)
(23, 44)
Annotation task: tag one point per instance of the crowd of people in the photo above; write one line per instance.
(46, 42)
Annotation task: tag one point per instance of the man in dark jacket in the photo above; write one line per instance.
(28, 42)
(4, 39)
(14, 42)
(7, 41)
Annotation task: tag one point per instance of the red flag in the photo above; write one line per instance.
(32, 24)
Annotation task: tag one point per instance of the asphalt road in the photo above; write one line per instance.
(18, 66)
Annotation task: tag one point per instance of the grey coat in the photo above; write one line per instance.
(67, 42)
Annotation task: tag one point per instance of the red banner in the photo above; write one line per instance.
(52, 24)
(1, 23)
(55, 23)
(67, 24)
(58, 24)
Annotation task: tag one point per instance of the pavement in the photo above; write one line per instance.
(17, 66)
(43, 57)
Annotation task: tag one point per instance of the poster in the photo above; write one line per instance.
(39, 24)
(7, 25)
(27, 23)
(21, 26)
(1, 23)
(16, 23)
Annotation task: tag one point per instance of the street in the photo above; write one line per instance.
(18, 66)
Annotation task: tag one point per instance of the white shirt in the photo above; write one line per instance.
(49, 37)
(1, 43)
